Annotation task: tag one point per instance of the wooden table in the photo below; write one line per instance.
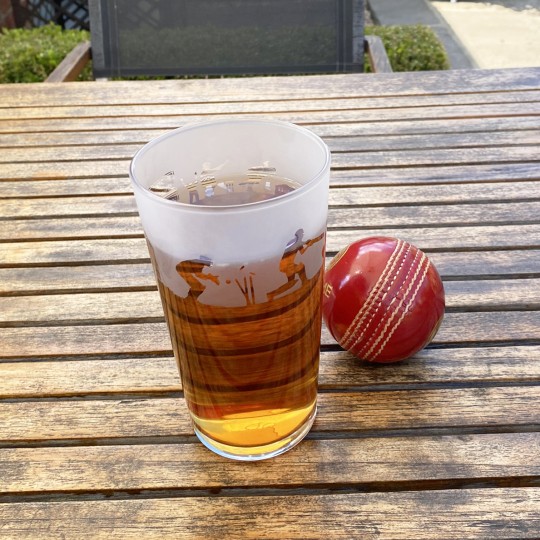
(95, 440)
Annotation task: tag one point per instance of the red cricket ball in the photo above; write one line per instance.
(383, 299)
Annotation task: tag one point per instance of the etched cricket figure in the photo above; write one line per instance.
(290, 267)
(192, 272)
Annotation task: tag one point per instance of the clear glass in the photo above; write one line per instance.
(234, 213)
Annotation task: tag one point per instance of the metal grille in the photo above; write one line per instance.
(66, 13)
(216, 37)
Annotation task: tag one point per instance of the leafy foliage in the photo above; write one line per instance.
(30, 55)
(411, 48)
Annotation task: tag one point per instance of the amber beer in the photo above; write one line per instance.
(234, 214)
(249, 372)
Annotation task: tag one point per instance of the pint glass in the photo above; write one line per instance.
(234, 213)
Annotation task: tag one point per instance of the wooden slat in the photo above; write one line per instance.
(153, 338)
(435, 140)
(72, 65)
(128, 225)
(432, 214)
(352, 412)
(119, 165)
(75, 251)
(33, 421)
(174, 117)
(528, 99)
(445, 156)
(76, 378)
(322, 462)
(472, 513)
(356, 197)
(17, 281)
(120, 185)
(115, 307)
(267, 88)
(76, 308)
(486, 264)
(511, 236)
(76, 278)
(493, 294)
(65, 171)
(463, 131)
(478, 365)
(92, 186)
(437, 174)
(67, 228)
(135, 249)
(378, 58)
(68, 206)
(338, 369)
(336, 144)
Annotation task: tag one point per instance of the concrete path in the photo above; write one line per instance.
(498, 33)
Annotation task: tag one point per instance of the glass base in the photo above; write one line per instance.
(257, 453)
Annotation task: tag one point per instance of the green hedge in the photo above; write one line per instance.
(411, 48)
(30, 55)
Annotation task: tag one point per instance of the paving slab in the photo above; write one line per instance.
(497, 34)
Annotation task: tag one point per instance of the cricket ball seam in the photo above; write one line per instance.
(412, 268)
(404, 312)
(366, 309)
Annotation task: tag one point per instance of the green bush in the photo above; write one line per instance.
(411, 48)
(30, 55)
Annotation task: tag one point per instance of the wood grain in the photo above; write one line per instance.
(115, 307)
(122, 250)
(273, 87)
(173, 117)
(17, 185)
(468, 131)
(76, 279)
(356, 197)
(95, 437)
(352, 412)
(505, 514)
(348, 462)
(522, 148)
(126, 225)
(56, 279)
(153, 338)
(75, 378)
(338, 369)
(528, 99)
(475, 513)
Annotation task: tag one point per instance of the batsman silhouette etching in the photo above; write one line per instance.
(245, 285)
(290, 267)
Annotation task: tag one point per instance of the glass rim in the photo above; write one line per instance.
(310, 184)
